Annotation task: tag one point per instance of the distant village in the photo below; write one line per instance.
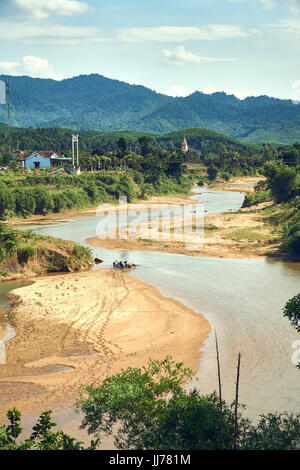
(47, 159)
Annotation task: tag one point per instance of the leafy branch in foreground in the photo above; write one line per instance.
(292, 312)
(42, 437)
(149, 408)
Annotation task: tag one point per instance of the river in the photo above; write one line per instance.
(242, 299)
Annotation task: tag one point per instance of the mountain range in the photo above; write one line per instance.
(96, 102)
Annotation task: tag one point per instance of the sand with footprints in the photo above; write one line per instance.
(74, 330)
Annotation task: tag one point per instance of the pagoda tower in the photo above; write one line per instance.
(184, 145)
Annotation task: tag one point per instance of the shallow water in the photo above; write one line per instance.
(242, 299)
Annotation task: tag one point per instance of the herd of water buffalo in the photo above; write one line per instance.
(118, 264)
(123, 265)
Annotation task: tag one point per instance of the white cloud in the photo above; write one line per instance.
(241, 94)
(184, 33)
(30, 65)
(54, 33)
(45, 8)
(176, 90)
(181, 56)
(267, 4)
(294, 6)
(9, 68)
(288, 29)
(181, 91)
(37, 67)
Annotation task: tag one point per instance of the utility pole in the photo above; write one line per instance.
(8, 112)
(75, 142)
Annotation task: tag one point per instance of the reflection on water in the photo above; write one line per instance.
(242, 299)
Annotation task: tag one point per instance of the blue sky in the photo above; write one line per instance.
(245, 47)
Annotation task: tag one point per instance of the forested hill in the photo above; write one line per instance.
(96, 102)
(59, 140)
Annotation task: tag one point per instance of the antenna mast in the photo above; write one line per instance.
(8, 111)
(75, 140)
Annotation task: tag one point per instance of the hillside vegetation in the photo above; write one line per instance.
(281, 190)
(110, 105)
(59, 140)
(24, 254)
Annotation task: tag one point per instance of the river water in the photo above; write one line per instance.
(241, 298)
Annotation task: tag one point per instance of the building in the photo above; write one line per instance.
(184, 145)
(45, 159)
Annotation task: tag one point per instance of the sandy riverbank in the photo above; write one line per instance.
(245, 184)
(75, 330)
(243, 233)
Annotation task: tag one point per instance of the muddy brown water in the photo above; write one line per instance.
(243, 300)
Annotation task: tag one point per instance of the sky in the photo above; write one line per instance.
(243, 47)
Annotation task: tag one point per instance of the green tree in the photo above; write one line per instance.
(122, 146)
(149, 408)
(7, 201)
(146, 144)
(9, 241)
(283, 183)
(292, 311)
(43, 199)
(212, 172)
(25, 202)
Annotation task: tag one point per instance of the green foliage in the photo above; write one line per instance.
(257, 197)
(42, 437)
(292, 311)
(149, 408)
(24, 253)
(212, 172)
(43, 200)
(25, 202)
(293, 243)
(274, 432)
(82, 252)
(9, 241)
(7, 202)
(106, 104)
(225, 176)
(283, 182)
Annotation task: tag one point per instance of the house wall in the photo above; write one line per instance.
(36, 157)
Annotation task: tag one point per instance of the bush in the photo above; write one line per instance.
(212, 172)
(43, 199)
(294, 244)
(82, 251)
(25, 202)
(7, 201)
(136, 400)
(60, 202)
(283, 183)
(24, 253)
(9, 241)
(92, 192)
(258, 197)
(226, 176)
